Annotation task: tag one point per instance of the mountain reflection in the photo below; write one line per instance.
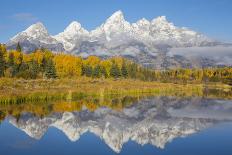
(150, 120)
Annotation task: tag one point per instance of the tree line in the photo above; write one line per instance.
(42, 63)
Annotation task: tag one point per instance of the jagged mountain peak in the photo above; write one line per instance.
(143, 21)
(34, 31)
(114, 26)
(117, 16)
(161, 22)
(115, 20)
(144, 38)
(38, 25)
(35, 36)
(142, 24)
(160, 19)
(71, 35)
(36, 28)
(74, 27)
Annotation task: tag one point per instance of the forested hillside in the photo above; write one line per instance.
(42, 63)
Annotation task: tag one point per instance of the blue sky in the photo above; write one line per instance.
(211, 17)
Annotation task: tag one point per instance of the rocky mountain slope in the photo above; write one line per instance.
(146, 42)
(36, 36)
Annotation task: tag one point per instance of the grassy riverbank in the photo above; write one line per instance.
(19, 90)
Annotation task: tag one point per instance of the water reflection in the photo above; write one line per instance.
(146, 120)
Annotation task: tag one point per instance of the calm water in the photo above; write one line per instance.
(148, 126)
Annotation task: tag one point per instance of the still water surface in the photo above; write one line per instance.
(148, 126)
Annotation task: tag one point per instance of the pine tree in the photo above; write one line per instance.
(18, 69)
(2, 63)
(133, 70)
(34, 69)
(10, 60)
(43, 49)
(124, 70)
(23, 67)
(115, 71)
(97, 72)
(12, 67)
(50, 71)
(88, 71)
(43, 65)
(104, 72)
(83, 70)
(18, 48)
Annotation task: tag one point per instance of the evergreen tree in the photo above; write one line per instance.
(22, 71)
(50, 71)
(115, 71)
(43, 49)
(20, 59)
(132, 70)
(11, 60)
(12, 67)
(104, 72)
(18, 48)
(2, 63)
(124, 70)
(97, 72)
(43, 65)
(17, 67)
(23, 67)
(34, 69)
(83, 70)
(88, 71)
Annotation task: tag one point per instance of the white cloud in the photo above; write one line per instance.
(26, 17)
(221, 54)
(202, 51)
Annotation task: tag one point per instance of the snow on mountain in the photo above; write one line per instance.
(141, 30)
(114, 27)
(72, 35)
(35, 36)
(166, 32)
(144, 41)
(35, 31)
(150, 121)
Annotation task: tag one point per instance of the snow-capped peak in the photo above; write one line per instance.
(74, 27)
(143, 21)
(161, 22)
(36, 29)
(114, 26)
(116, 17)
(141, 29)
(71, 35)
(36, 32)
(147, 38)
(160, 19)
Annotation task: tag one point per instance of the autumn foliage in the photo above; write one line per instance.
(43, 63)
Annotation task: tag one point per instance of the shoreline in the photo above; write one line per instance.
(12, 89)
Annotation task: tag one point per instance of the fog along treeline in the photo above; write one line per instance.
(42, 63)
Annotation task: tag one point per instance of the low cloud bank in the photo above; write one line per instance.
(221, 54)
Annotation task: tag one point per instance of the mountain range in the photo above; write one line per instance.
(146, 42)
